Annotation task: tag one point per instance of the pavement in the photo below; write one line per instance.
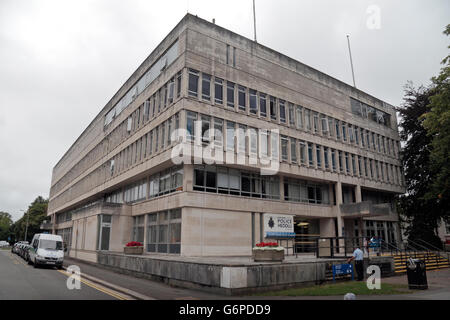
(138, 288)
(143, 289)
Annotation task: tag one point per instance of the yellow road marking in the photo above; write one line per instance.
(90, 284)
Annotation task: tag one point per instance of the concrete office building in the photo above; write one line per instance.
(336, 147)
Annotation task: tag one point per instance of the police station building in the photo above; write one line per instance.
(216, 143)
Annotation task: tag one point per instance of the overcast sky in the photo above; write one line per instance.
(61, 61)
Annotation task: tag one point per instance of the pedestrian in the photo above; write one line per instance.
(358, 256)
(366, 245)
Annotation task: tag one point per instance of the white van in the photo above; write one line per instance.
(47, 249)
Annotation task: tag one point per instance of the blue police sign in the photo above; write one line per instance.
(342, 269)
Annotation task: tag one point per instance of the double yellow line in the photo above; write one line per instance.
(90, 284)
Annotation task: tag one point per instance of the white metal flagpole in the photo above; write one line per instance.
(351, 61)
(254, 20)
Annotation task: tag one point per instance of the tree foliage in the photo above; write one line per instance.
(36, 214)
(5, 225)
(437, 124)
(425, 132)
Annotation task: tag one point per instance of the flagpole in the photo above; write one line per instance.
(351, 61)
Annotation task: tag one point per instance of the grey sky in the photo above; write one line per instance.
(61, 61)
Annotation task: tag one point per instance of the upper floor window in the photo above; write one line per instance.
(284, 148)
(324, 123)
(282, 111)
(230, 135)
(179, 84)
(206, 87)
(344, 131)
(193, 83)
(230, 94)
(241, 98)
(308, 123)
(338, 129)
(316, 122)
(190, 125)
(291, 115)
(293, 150)
(171, 90)
(253, 101)
(262, 105)
(299, 117)
(218, 91)
(273, 111)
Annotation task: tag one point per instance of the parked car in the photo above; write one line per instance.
(47, 249)
(26, 252)
(18, 246)
(4, 244)
(23, 250)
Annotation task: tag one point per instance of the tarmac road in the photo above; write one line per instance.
(20, 281)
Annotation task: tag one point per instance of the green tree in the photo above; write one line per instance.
(37, 212)
(425, 131)
(415, 208)
(437, 124)
(5, 225)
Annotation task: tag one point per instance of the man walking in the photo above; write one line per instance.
(358, 256)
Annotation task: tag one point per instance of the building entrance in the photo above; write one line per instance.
(306, 233)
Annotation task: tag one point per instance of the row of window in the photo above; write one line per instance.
(248, 141)
(244, 99)
(158, 102)
(149, 144)
(153, 72)
(235, 182)
(368, 112)
(306, 191)
(225, 180)
(163, 231)
(164, 182)
(329, 159)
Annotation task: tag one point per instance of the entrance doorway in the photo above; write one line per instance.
(104, 231)
(306, 233)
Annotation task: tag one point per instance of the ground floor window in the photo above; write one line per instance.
(138, 228)
(235, 182)
(104, 231)
(305, 191)
(66, 235)
(164, 231)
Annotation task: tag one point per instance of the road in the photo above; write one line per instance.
(18, 280)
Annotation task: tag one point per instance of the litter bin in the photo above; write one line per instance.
(417, 275)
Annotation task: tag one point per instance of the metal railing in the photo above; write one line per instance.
(343, 247)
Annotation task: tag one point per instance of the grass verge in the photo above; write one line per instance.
(337, 289)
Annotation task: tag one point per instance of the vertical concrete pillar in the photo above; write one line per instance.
(145, 233)
(350, 164)
(184, 82)
(281, 188)
(188, 177)
(358, 196)
(322, 156)
(330, 161)
(340, 220)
